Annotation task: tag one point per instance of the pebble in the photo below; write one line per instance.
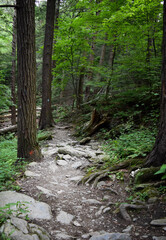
(128, 229)
(77, 224)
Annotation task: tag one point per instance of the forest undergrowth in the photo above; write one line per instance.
(127, 138)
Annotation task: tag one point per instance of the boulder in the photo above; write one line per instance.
(35, 209)
(19, 229)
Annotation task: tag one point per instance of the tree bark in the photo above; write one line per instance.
(46, 119)
(80, 89)
(158, 155)
(90, 73)
(28, 148)
(111, 64)
(13, 77)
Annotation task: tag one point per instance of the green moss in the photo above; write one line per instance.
(150, 192)
(146, 175)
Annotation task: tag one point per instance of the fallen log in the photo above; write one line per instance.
(8, 129)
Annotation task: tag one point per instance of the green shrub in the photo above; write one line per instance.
(162, 171)
(137, 143)
(8, 170)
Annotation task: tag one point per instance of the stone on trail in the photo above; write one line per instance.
(111, 236)
(72, 151)
(46, 191)
(159, 238)
(31, 174)
(76, 178)
(19, 229)
(32, 164)
(53, 167)
(158, 222)
(91, 201)
(64, 217)
(85, 140)
(61, 162)
(36, 209)
(77, 165)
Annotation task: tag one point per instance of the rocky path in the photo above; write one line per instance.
(77, 211)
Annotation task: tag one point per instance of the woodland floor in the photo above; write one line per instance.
(65, 195)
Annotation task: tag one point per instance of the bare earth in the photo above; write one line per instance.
(79, 210)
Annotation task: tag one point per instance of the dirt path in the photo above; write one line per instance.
(79, 211)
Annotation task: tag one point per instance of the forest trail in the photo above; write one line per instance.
(79, 211)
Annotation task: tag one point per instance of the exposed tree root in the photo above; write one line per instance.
(98, 179)
(124, 213)
(97, 176)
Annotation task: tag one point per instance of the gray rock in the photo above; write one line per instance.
(111, 236)
(85, 236)
(77, 165)
(36, 210)
(61, 163)
(159, 222)
(91, 201)
(85, 140)
(152, 200)
(66, 157)
(19, 229)
(31, 174)
(64, 217)
(46, 191)
(41, 232)
(100, 184)
(159, 238)
(63, 236)
(128, 229)
(77, 224)
(20, 224)
(32, 164)
(53, 167)
(76, 178)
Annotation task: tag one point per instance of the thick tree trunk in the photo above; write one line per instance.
(46, 119)
(13, 77)
(158, 155)
(28, 147)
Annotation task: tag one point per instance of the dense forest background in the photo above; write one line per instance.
(106, 66)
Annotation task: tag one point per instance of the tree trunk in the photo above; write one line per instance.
(28, 147)
(80, 89)
(13, 74)
(158, 155)
(46, 119)
(90, 74)
(110, 64)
